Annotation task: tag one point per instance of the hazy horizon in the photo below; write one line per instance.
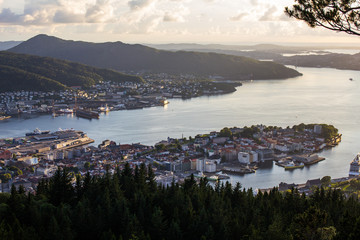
(322, 45)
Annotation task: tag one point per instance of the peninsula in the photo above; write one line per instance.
(26, 160)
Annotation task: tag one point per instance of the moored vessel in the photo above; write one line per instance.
(86, 114)
(37, 132)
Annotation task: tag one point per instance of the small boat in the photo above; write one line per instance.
(223, 176)
(164, 102)
(209, 178)
(104, 108)
(292, 165)
(212, 178)
(4, 117)
(66, 111)
(351, 79)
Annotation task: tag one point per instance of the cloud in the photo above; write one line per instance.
(64, 16)
(269, 15)
(177, 15)
(140, 4)
(102, 11)
(46, 12)
(147, 25)
(254, 2)
(7, 16)
(238, 17)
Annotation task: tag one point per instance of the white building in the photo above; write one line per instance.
(204, 165)
(200, 165)
(248, 157)
(210, 167)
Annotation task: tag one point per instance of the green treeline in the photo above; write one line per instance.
(130, 205)
(26, 72)
(327, 131)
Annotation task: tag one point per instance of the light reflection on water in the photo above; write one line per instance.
(319, 96)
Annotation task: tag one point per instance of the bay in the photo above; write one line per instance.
(319, 96)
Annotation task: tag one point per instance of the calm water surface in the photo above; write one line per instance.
(319, 96)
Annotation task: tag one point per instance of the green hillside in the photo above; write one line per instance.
(27, 72)
(127, 57)
(15, 79)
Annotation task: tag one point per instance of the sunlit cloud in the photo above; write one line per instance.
(238, 17)
(136, 5)
(269, 15)
(153, 20)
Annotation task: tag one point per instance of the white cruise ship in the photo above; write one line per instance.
(355, 166)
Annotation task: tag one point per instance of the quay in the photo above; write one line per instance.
(47, 142)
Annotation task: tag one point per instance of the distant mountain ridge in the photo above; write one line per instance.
(8, 44)
(125, 57)
(27, 72)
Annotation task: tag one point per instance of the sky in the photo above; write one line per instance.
(160, 21)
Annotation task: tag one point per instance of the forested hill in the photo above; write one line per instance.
(130, 205)
(27, 72)
(126, 57)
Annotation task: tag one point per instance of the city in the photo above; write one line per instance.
(179, 119)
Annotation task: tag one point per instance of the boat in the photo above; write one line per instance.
(209, 178)
(86, 114)
(212, 178)
(66, 111)
(199, 175)
(104, 109)
(351, 79)
(4, 117)
(164, 102)
(223, 176)
(292, 165)
(37, 132)
(242, 170)
(355, 167)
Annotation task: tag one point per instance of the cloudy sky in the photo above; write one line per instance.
(160, 21)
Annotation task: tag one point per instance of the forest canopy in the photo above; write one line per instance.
(130, 205)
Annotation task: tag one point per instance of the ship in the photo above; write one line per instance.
(37, 132)
(86, 114)
(355, 166)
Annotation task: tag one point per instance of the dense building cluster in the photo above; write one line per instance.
(231, 150)
(117, 96)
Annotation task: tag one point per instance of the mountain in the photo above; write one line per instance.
(299, 56)
(139, 58)
(27, 72)
(333, 60)
(8, 44)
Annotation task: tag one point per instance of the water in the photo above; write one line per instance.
(319, 96)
